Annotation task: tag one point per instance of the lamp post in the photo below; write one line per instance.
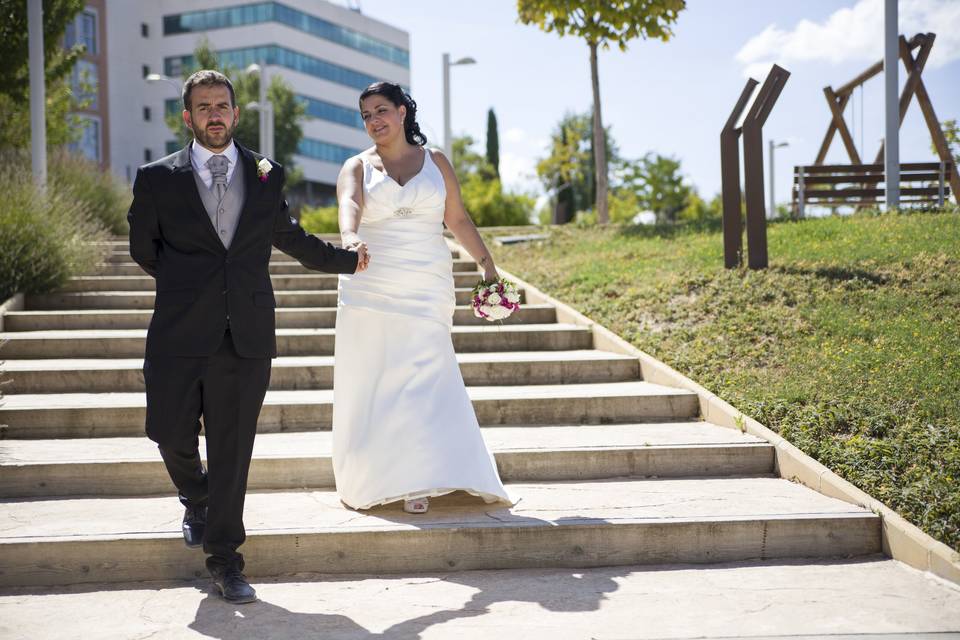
(265, 110)
(447, 135)
(38, 93)
(891, 147)
(159, 77)
(773, 198)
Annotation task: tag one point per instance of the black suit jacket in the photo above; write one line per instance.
(199, 282)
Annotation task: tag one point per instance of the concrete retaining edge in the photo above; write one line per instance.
(14, 303)
(901, 541)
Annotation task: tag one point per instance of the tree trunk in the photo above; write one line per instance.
(599, 141)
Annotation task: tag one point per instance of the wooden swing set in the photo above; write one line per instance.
(859, 184)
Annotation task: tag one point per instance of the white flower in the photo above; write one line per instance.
(263, 168)
(494, 288)
(499, 313)
(513, 297)
(494, 299)
(487, 309)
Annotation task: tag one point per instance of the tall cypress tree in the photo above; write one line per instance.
(493, 142)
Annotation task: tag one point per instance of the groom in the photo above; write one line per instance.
(202, 224)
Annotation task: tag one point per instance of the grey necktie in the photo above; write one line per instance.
(218, 168)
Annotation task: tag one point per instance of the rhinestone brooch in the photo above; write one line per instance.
(402, 212)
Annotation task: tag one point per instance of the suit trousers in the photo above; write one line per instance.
(228, 392)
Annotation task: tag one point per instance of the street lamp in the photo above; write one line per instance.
(773, 199)
(38, 93)
(265, 110)
(157, 77)
(447, 135)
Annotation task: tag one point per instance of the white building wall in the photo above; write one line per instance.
(129, 92)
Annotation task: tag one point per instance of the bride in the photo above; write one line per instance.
(403, 425)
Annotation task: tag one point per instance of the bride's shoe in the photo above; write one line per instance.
(417, 505)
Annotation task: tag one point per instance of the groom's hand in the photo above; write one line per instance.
(363, 257)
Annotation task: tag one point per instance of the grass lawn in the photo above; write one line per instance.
(848, 345)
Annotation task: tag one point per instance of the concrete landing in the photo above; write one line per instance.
(782, 599)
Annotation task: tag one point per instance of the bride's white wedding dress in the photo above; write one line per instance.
(403, 425)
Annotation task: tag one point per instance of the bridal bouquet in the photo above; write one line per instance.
(495, 300)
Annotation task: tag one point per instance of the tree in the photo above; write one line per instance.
(658, 184)
(568, 168)
(951, 131)
(62, 127)
(467, 163)
(289, 112)
(482, 192)
(493, 142)
(601, 22)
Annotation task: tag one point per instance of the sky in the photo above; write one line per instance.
(672, 97)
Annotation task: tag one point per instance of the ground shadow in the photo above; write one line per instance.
(836, 274)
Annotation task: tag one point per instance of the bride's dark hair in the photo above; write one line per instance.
(395, 94)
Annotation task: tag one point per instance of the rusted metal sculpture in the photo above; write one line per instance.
(837, 100)
(730, 181)
(752, 130)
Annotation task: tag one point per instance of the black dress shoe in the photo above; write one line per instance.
(233, 586)
(194, 524)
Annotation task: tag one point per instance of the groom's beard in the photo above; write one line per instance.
(215, 139)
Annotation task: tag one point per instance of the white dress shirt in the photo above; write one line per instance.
(200, 154)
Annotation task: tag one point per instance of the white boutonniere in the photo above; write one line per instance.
(263, 168)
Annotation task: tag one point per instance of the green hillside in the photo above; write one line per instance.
(849, 345)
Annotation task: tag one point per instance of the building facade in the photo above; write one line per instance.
(326, 52)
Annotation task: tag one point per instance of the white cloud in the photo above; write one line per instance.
(515, 134)
(853, 34)
(518, 172)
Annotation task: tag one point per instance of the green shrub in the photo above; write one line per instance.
(44, 238)
(104, 196)
(489, 206)
(320, 219)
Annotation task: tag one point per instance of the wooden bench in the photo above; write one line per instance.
(859, 185)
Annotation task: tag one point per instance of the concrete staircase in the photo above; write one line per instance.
(609, 469)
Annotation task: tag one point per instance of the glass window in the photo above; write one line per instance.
(84, 82)
(89, 143)
(331, 112)
(206, 20)
(83, 30)
(88, 31)
(147, 155)
(147, 114)
(173, 146)
(325, 151)
(272, 54)
(146, 70)
(144, 30)
(172, 105)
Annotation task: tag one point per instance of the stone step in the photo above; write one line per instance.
(122, 254)
(277, 267)
(288, 461)
(287, 318)
(97, 415)
(101, 375)
(129, 343)
(289, 282)
(144, 299)
(554, 524)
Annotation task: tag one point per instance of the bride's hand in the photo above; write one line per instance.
(363, 257)
(490, 274)
(350, 239)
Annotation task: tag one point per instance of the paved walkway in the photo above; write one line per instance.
(748, 600)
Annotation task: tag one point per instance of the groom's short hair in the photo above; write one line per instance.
(209, 78)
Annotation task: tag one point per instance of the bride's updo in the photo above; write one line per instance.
(395, 94)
